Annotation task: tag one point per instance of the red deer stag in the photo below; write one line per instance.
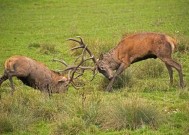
(34, 74)
(135, 48)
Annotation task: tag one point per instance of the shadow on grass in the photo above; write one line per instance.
(122, 81)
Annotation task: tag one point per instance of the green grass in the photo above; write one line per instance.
(142, 101)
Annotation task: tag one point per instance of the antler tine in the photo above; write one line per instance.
(82, 45)
(74, 70)
(80, 67)
(61, 61)
(80, 42)
(71, 81)
(80, 74)
(82, 55)
(77, 47)
(80, 39)
(72, 39)
(94, 73)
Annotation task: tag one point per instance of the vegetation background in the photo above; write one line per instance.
(142, 101)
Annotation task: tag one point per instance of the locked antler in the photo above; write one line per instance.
(72, 69)
(85, 48)
(83, 56)
(79, 69)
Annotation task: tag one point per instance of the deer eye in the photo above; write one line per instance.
(102, 68)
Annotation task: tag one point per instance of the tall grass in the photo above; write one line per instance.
(5, 124)
(26, 108)
(131, 113)
(126, 79)
(182, 44)
(150, 69)
(75, 113)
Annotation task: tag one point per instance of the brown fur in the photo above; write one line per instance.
(34, 74)
(139, 47)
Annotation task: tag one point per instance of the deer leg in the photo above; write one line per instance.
(12, 85)
(177, 66)
(3, 78)
(119, 71)
(170, 70)
(49, 89)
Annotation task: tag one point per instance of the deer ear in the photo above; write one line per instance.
(63, 79)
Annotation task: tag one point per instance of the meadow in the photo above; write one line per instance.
(142, 101)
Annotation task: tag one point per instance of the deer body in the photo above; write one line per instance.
(34, 74)
(135, 48)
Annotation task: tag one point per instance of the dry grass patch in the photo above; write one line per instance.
(131, 113)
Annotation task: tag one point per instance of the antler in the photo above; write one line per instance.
(79, 69)
(85, 48)
(83, 59)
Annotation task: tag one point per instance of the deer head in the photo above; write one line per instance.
(107, 64)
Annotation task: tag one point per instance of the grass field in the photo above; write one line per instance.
(142, 101)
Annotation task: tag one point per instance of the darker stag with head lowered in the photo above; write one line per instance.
(135, 48)
(34, 74)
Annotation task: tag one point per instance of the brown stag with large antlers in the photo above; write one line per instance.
(135, 48)
(38, 76)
